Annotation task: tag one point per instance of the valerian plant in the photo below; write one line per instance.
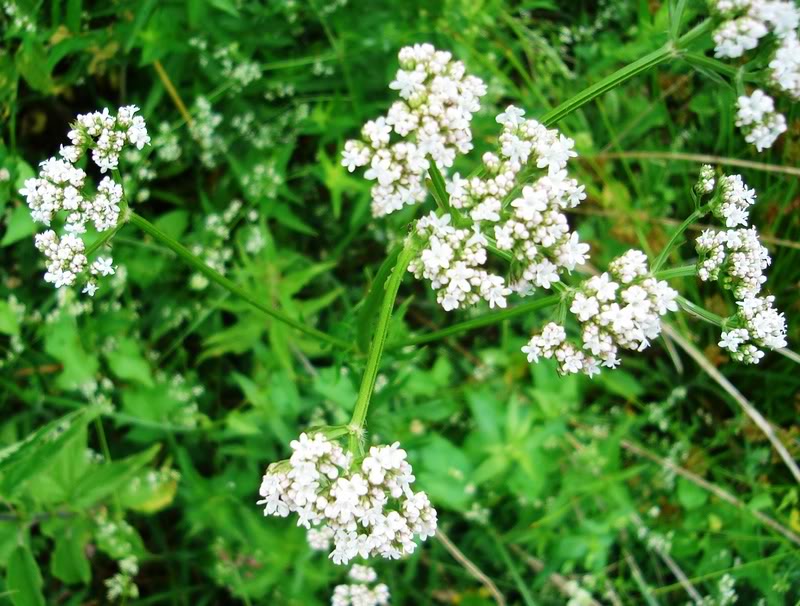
(498, 232)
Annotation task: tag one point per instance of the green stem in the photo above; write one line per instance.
(676, 272)
(700, 312)
(669, 50)
(677, 234)
(216, 277)
(409, 251)
(107, 235)
(484, 320)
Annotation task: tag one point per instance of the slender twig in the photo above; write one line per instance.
(470, 567)
(671, 564)
(746, 406)
(484, 320)
(639, 578)
(537, 565)
(172, 91)
(788, 353)
(700, 159)
(718, 492)
(669, 50)
(676, 235)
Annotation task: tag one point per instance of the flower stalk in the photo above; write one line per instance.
(409, 251)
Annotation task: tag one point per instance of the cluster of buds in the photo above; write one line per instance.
(61, 187)
(368, 509)
(433, 119)
(618, 309)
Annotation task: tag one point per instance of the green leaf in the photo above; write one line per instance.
(23, 579)
(107, 478)
(20, 226)
(690, 495)
(368, 313)
(127, 362)
(437, 187)
(31, 60)
(63, 342)
(9, 324)
(69, 563)
(21, 461)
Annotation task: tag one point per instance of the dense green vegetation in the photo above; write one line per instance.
(136, 424)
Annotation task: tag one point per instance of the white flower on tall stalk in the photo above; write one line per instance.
(366, 510)
(61, 187)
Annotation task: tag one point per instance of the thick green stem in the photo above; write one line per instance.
(700, 312)
(484, 320)
(683, 271)
(409, 251)
(647, 62)
(216, 277)
(677, 234)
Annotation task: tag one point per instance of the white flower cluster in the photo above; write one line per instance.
(620, 308)
(106, 135)
(452, 261)
(737, 259)
(531, 227)
(61, 186)
(359, 593)
(759, 121)
(746, 22)
(369, 510)
(785, 66)
(432, 119)
(734, 257)
(733, 205)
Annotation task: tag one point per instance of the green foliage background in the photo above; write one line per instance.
(157, 405)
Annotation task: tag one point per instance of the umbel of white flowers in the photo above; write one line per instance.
(619, 308)
(432, 118)
(737, 260)
(61, 187)
(366, 509)
(527, 224)
(744, 24)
